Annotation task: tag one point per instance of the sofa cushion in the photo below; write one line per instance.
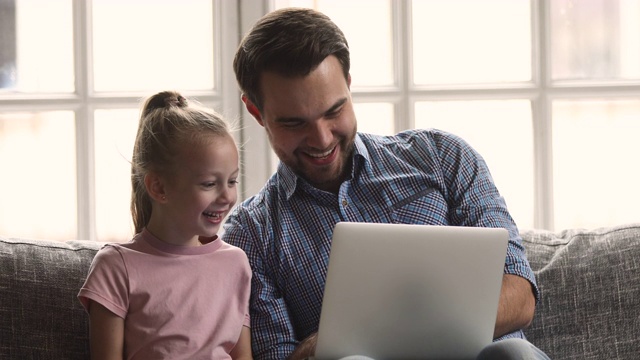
(40, 316)
(590, 286)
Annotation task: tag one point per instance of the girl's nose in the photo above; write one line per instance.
(224, 195)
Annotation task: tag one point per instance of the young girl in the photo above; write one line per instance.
(176, 290)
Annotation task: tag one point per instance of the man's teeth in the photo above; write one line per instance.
(322, 155)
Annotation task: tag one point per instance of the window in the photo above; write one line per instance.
(547, 91)
(72, 78)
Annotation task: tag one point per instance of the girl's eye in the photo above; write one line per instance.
(209, 185)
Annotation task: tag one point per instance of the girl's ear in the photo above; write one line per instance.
(155, 187)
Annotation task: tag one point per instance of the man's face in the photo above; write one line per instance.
(310, 122)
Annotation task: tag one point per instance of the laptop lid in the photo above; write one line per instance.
(399, 291)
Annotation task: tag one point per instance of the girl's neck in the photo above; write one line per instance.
(164, 232)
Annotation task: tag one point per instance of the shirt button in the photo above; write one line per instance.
(344, 202)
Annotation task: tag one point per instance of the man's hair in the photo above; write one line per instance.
(290, 42)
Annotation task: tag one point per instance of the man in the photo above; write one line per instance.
(293, 70)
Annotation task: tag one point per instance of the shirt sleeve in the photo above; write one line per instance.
(272, 332)
(107, 282)
(476, 201)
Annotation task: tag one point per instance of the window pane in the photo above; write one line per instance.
(502, 132)
(7, 44)
(471, 41)
(367, 27)
(595, 40)
(38, 186)
(36, 60)
(375, 118)
(115, 134)
(595, 163)
(150, 45)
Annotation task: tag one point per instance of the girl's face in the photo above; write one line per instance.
(202, 189)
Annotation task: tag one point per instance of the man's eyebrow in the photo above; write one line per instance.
(336, 106)
(332, 109)
(291, 119)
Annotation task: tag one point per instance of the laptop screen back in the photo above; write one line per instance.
(397, 291)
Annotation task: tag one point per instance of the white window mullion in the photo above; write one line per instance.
(227, 40)
(84, 123)
(543, 162)
(228, 36)
(541, 115)
(257, 158)
(402, 62)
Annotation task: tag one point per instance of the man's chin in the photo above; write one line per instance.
(322, 180)
(320, 177)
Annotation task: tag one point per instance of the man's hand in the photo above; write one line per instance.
(305, 349)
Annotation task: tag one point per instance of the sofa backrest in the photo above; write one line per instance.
(40, 315)
(590, 286)
(589, 280)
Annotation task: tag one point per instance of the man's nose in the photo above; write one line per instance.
(320, 134)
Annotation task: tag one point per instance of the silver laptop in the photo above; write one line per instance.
(411, 291)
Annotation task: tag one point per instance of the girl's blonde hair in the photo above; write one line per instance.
(167, 121)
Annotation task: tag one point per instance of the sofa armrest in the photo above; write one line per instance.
(590, 286)
(40, 315)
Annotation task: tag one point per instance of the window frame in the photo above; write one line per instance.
(233, 19)
(541, 91)
(84, 101)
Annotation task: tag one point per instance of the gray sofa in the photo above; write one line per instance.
(590, 283)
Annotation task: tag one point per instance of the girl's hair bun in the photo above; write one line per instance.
(175, 100)
(165, 99)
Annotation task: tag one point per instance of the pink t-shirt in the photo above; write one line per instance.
(178, 302)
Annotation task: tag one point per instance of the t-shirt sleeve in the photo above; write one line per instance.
(107, 282)
(247, 289)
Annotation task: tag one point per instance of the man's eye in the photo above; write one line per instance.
(334, 114)
(292, 124)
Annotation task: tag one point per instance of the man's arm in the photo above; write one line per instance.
(516, 306)
(272, 334)
(476, 201)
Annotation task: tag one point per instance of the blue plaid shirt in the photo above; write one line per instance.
(415, 177)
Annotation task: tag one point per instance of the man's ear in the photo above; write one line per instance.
(252, 109)
(155, 187)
